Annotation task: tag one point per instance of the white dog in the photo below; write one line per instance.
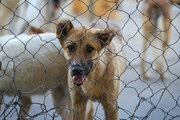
(32, 65)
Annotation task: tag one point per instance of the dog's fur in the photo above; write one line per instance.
(152, 11)
(99, 8)
(33, 65)
(96, 65)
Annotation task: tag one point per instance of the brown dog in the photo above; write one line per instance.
(98, 8)
(151, 13)
(96, 65)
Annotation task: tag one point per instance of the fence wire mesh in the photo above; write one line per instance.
(34, 69)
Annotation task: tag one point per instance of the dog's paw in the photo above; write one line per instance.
(146, 77)
(163, 77)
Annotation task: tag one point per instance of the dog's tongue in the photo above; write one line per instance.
(56, 6)
(78, 79)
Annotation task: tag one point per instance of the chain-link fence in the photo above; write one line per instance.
(34, 68)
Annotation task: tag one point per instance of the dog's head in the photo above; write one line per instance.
(82, 47)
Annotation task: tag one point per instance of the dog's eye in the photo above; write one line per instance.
(71, 48)
(89, 49)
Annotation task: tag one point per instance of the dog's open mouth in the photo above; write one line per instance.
(56, 4)
(78, 80)
(80, 72)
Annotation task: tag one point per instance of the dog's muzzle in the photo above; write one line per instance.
(77, 70)
(78, 76)
(79, 73)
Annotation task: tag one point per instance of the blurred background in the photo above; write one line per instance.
(139, 99)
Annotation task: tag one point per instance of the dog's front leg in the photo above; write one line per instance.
(167, 26)
(62, 102)
(111, 109)
(148, 29)
(26, 104)
(78, 106)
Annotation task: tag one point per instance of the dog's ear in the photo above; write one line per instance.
(62, 29)
(34, 30)
(105, 36)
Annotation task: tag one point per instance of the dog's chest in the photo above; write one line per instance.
(93, 90)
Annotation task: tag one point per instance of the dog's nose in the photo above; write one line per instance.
(77, 70)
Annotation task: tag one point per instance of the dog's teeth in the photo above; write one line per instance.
(78, 80)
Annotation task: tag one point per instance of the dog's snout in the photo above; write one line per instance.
(77, 70)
